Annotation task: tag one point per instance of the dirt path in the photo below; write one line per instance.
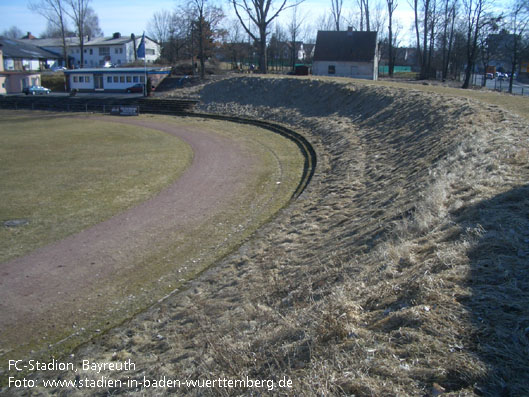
(46, 284)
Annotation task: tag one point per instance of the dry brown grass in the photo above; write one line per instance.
(402, 270)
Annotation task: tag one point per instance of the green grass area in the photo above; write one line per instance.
(64, 174)
(64, 179)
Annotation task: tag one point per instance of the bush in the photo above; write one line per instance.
(54, 82)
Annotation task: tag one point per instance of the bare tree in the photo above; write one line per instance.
(449, 19)
(206, 18)
(77, 10)
(424, 25)
(55, 14)
(13, 33)
(160, 26)
(294, 28)
(474, 10)
(392, 6)
(377, 17)
(336, 12)
(519, 21)
(260, 13)
(324, 22)
(486, 45)
(364, 15)
(52, 32)
(92, 28)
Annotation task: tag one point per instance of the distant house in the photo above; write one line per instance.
(346, 53)
(308, 52)
(100, 51)
(22, 55)
(12, 81)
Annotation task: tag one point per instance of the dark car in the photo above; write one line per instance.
(135, 88)
(36, 90)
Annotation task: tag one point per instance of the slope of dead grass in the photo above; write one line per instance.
(402, 269)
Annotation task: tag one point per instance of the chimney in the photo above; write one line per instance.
(116, 35)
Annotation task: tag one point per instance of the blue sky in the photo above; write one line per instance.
(125, 16)
(132, 16)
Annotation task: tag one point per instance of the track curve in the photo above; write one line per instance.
(58, 280)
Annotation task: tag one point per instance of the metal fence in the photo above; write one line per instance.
(500, 85)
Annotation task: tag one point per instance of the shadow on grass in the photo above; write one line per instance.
(499, 280)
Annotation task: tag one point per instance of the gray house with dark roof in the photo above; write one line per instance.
(21, 55)
(346, 54)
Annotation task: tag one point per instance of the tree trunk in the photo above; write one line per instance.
(514, 62)
(262, 51)
(390, 55)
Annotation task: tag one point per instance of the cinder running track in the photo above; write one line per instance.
(57, 279)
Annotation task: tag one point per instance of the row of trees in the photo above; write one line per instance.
(449, 34)
(60, 13)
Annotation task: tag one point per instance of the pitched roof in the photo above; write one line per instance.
(345, 46)
(96, 41)
(22, 49)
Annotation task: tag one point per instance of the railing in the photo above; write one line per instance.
(96, 105)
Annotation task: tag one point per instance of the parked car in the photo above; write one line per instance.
(36, 90)
(490, 76)
(58, 69)
(135, 88)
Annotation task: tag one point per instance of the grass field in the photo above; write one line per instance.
(63, 174)
(65, 179)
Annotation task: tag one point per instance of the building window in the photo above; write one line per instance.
(135, 79)
(109, 79)
(87, 79)
(81, 79)
(121, 50)
(121, 79)
(91, 51)
(332, 69)
(115, 79)
(75, 79)
(129, 79)
(142, 79)
(85, 50)
(149, 51)
(104, 51)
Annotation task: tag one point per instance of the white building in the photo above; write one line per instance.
(101, 51)
(20, 55)
(113, 79)
(346, 54)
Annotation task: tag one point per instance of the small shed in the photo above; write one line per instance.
(347, 54)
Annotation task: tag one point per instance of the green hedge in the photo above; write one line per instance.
(54, 82)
